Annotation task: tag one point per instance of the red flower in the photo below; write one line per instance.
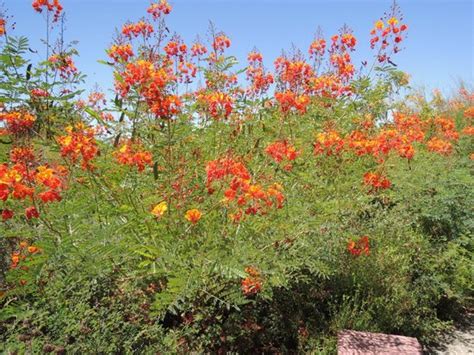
(50, 196)
(288, 100)
(282, 151)
(121, 52)
(24, 155)
(217, 104)
(39, 93)
(17, 122)
(361, 246)
(2, 26)
(51, 5)
(31, 212)
(376, 181)
(162, 7)
(329, 143)
(317, 47)
(132, 154)
(64, 64)
(198, 49)
(7, 214)
(221, 42)
(79, 142)
(252, 284)
(133, 30)
(440, 146)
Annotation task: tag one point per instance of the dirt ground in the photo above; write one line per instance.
(460, 342)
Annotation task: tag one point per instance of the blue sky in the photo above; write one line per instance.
(438, 51)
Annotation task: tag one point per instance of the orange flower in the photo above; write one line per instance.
(131, 30)
(217, 104)
(469, 112)
(33, 249)
(281, 151)
(2, 26)
(131, 154)
(252, 284)
(198, 50)
(288, 100)
(329, 143)
(121, 52)
(361, 246)
(162, 7)
(64, 64)
(260, 80)
(17, 122)
(317, 47)
(376, 181)
(50, 5)
(193, 215)
(79, 143)
(468, 131)
(439, 146)
(221, 42)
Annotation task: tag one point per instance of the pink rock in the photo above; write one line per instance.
(351, 342)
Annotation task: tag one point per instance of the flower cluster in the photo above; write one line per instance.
(177, 54)
(289, 100)
(340, 58)
(24, 250)
(121, 52)
(445, 134)
(216, 104)
(359, 246)
(252, 284)
(157, 9)
(259, 79)
(133, 30)
(198, 49)
(292, 74)
(52, 180)
(399, 137)
(282, 151)
(153, 84)
(317, 48)
(220, 43)
(17, 122)
(387, 35)
(3, 24)
(328, 143)
(79, 143)
(21, 181)
(132, 154)
(50, 5)
(38, 93)
(376, 181)
(248, 198)
(64, 64)
(439, 146)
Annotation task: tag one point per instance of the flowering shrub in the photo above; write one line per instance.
(250, 211)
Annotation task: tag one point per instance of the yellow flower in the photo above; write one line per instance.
(392, 21)
(160, 209)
